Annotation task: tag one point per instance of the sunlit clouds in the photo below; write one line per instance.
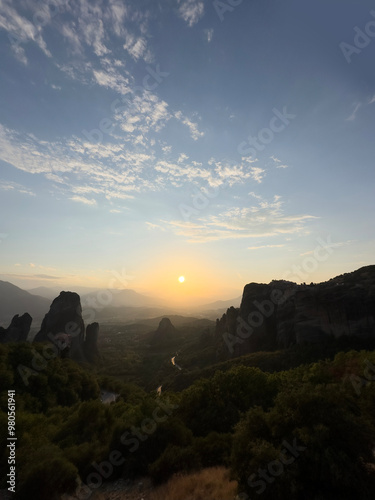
(135, 133)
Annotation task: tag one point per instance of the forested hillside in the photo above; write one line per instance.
(307, 432)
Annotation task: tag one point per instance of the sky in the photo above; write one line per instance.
(223, 141)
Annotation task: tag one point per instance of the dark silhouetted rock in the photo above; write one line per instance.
(64, 318)
(164, 333)
(90, 346)
(18, 330)
(283, 313)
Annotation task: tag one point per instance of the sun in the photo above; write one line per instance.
(181, 279)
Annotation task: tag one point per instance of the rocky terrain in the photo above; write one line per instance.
(164, 333)
(271, 316)
(18, 330)
(63, 325)
(282, 313)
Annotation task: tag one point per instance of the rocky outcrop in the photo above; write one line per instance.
(90, 345)
(18, 330)
(63, 325)
(164, 333)
(64, 319)
(283, 313)
(336, 308)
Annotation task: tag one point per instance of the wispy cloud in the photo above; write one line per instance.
(111, 78)
(46, 277)
(70, 33)
(84, 200)
(257, 174)
(152, 226)
(254, 195)
(278, 163)
(136, 46)
(13, 186)
(262, 220)
(276, 160)
(191, 11)
(332, 245)
(209, 34)
(193, 127)
(21, 30)
(259, 247)
(83, 171)
(354, 113)
(182, 158)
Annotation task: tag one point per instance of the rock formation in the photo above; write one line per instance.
(283, 313)
(64, 323)
(164, 333)
(18, 329)
(90, 345)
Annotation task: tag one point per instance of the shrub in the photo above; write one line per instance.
(48, 479)
(174, 459)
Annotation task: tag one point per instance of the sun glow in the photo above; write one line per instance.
(181, 279)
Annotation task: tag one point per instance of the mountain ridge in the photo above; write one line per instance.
(14, 300)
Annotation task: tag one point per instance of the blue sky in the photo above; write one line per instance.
(221, 140)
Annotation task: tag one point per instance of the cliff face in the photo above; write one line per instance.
(64, 317)
(64, 322)
(164, 333)
(329, 309)
(90, 345)
(282, 313)
(18, 329)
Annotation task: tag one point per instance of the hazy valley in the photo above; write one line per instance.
(220, 384)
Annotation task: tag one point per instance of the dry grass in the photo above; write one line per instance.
(207, 484)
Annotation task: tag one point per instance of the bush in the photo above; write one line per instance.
(48, 479)
(216, 404)
(214, 449)
(337, 442)
(174, 459)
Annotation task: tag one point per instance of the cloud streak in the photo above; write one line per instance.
(191, 11)
(258, 221)
(15, 187)
(86, 172)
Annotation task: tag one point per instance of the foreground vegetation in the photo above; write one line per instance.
(307, 432)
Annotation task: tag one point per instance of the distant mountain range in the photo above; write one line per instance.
(128, 305)
(43, 291)
(52, 292)
(118, 298)
(220, 305)
(14, 300)
(109, 305)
